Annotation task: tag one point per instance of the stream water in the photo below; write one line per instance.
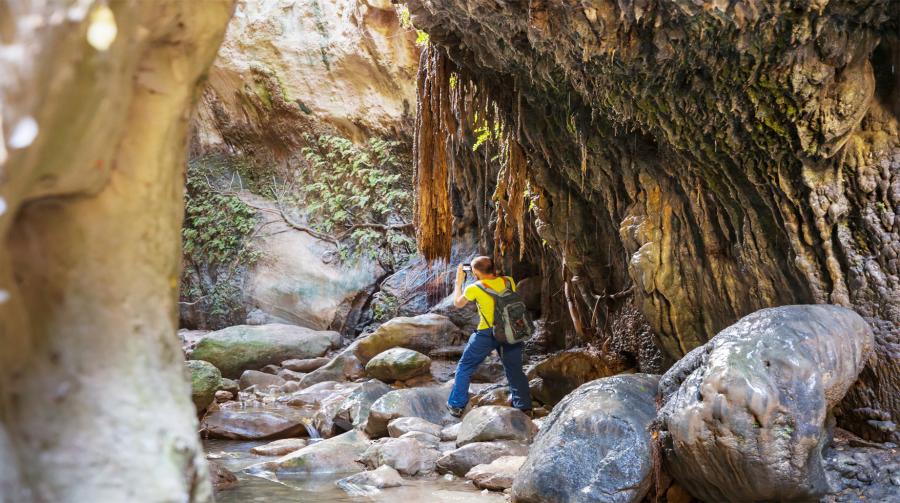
(235, 456)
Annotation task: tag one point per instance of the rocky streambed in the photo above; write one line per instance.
(304, 415)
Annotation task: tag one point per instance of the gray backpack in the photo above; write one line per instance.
(512, 323)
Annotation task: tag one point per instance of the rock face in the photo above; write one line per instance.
(463, 459)
(249, 347)
(758, 396)
(398, 364)
(407, 455)
(493, 422)
(498, 474)
(714, 182)
(429, 404)
(421, 333)
(334, 455)
(596, 445)
(205, 380)
(251, 425)
(92, 155)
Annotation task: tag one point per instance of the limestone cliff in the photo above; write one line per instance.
(714, 157)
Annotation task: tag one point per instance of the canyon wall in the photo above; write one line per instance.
(714, 158)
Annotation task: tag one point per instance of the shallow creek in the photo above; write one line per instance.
(235, 456)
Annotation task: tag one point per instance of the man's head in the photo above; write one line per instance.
(483, 267)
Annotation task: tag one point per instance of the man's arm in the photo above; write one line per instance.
(459, 300)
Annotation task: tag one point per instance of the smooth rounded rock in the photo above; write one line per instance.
(251, 425)
(305, 365)
(427, 403)
(401, 425)
(380, 478)
(262, 380)
(498, 475)
(333, 455)
(280, 447)
(398, 364)
(407, 455)
(459, 461)
(493, 422)
(596, 445)
(205, 381)
(422, 333)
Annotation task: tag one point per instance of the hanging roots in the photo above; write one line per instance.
(434, 125)
(510, 198)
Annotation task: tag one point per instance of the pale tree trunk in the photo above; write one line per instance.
(94, 401)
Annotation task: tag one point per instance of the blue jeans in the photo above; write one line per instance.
(480, 345)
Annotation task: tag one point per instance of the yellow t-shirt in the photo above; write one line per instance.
(485, 302)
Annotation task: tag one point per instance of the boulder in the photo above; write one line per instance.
(490, 371)
(449, 433)
(245, 347)
(334, 455)
(562, 372)
(498, 475)
(497, 394)
(426, 439)
(380, 478)
(427, 403)
(422, 333)
(494, 422)
(221, 477)
(328, 409)
(746, 415)
(305, 365)
(224, 396)
(459, 461)
(290, 375)
(595, 446)
(407, 455)
(262, 380)
(229, 385)
(401, 425)
(251, 425)
(343, 367)
(271, 369)
(314, 394)
(205, 380)
(466, 318)
(398, 364)
(280, 447)
(290, 387)
(354, 411)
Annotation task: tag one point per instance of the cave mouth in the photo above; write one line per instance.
(266, 204)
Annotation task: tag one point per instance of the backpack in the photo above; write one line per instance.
(512, 323)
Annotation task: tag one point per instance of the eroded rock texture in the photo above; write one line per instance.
(91, 184)
(747, 415)
(718, 157)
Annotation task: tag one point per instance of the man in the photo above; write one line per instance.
(482, 342)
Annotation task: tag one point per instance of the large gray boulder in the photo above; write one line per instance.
(746, 415)
(398, 364)
(406, 455)
(460, 461)
(429, 404)
(595, 446)
(249, 347)
(205, 381)
(422, 333)
(495, 422)
(344, 411)
(497, 475)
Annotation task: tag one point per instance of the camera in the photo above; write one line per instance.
(467, 267)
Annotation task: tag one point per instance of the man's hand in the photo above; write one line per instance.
(459, 300)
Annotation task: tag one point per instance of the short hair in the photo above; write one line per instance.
(484, 265)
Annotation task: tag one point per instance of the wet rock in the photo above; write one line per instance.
(205, 380)
(290, 387)
(251, 425)
(334, 455)
(427, 439)
(398, 364)
(768, 380)
(329, 408)
(280, 447)
(562, 372)
(595, 446)
(229, 385)
(271, 369)
(492, 395)
(407, 455)
(354, 412)
(343, 367)
(221, 477)
(449, 433)
(498, 475)
(422, 333)
(305, 365)
(493, 422)
(262, 380)
(290, 375)
(459, 461)
(858, 470)
(314, 394)
(401, 425)
(427, 403)
(380, 478)
(224, 396)
(247, 347)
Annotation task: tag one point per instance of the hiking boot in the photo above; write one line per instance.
(455, 411)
